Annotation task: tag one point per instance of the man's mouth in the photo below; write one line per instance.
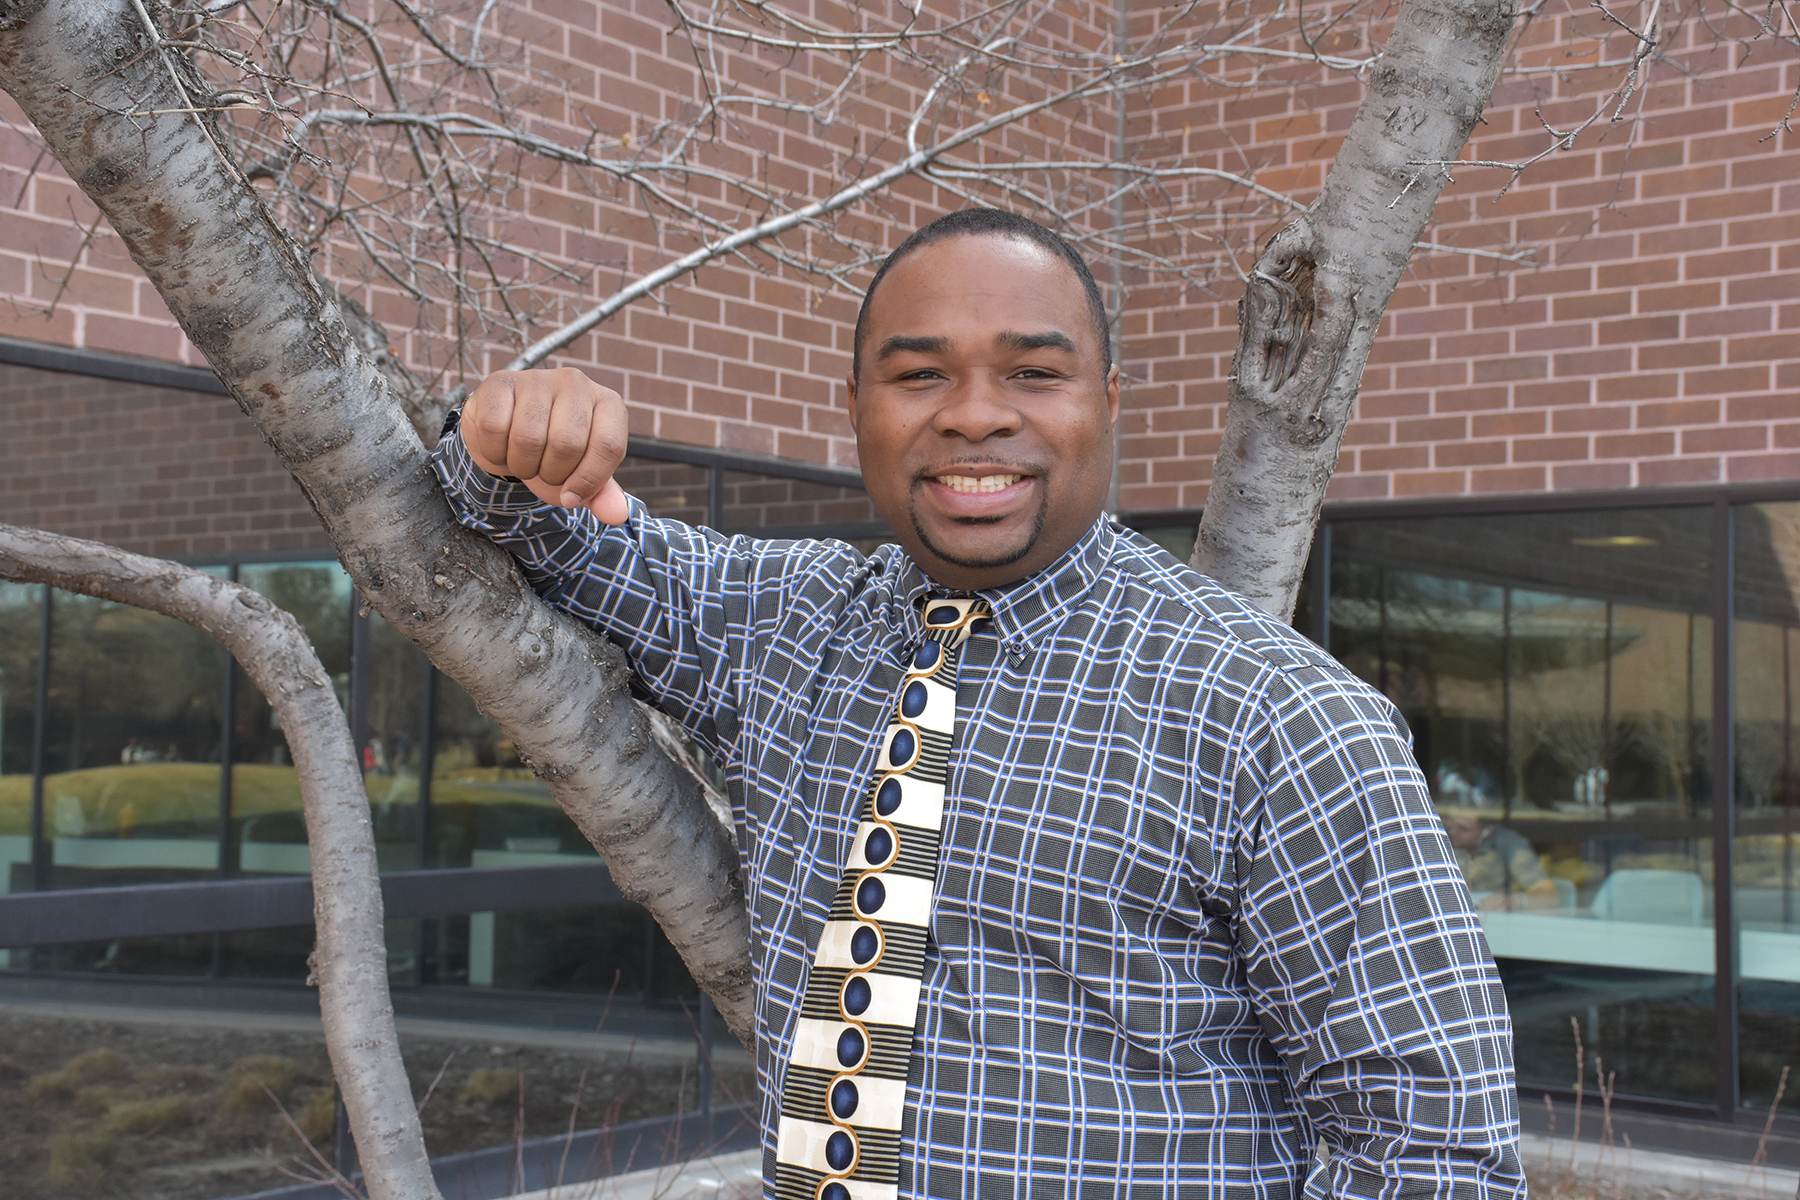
(977, 483)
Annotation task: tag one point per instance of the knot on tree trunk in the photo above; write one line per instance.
(1277, 312)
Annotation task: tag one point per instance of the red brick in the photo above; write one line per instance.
(1669, 472)
(1469, 454)
(1635, 445)
(1590, 476)
(1764, 467)
(1677, 413)
(1725, 439)
(1507, 479)
(1727, 379)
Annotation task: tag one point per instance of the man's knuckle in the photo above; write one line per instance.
(610, 447)
(566, 443)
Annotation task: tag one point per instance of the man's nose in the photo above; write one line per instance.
(977, 409)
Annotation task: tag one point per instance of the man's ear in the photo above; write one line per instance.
(1112, 397)
(850, 402)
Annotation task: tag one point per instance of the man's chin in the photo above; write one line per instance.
(966, 548)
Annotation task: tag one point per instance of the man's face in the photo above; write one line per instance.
(982, 417)
(1464, 830)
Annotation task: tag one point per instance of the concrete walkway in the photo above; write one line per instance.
(1617, 1166)
(727, 1177)
(738, 1176)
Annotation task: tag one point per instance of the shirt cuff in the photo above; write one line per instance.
(474, 487)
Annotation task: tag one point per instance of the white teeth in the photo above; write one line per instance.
(978, 483)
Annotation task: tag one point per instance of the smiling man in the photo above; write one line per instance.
(1069, 873)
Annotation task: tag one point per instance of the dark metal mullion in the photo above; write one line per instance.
(229, 858)
(715, 496)
(1723, 793)
(40, 848)
(427, 757)
(1318, 571)
(359, 676)
(423, 928)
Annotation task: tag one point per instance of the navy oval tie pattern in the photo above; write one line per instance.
(842, 1099)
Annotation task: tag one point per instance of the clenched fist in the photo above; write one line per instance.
(558, 431)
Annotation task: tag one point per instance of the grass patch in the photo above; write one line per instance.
(489, 1084)
(82, 1160)
(96, 1066)
(145, 1117)
(248, 1082)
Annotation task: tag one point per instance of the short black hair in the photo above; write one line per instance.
(1000, 223)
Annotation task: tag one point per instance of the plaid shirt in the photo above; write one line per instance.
(1195, 918)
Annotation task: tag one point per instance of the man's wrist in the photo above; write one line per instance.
(465, 478)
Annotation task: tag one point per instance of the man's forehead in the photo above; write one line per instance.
(936, 291)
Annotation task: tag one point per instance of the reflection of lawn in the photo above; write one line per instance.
(176, 794)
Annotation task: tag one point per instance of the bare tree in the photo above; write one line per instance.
(233, 145)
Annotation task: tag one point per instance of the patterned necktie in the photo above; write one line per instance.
(845, 1094)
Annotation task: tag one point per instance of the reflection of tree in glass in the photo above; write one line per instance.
(318, 594)
(130, 686)
(1664, 686)
(396, 671)
(20, 606)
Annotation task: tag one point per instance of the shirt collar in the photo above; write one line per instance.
(1031, 609)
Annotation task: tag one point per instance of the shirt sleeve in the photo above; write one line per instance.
(1365, 956)
(687, 605)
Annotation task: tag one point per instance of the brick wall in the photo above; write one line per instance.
(1651, 342)
(1646, 343)
(153, 470)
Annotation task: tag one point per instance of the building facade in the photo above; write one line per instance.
(1563, 537)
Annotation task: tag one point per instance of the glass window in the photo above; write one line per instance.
(133, 729)
(21, 610)
(1767, 793)
(489, 810)
(1555, 672)
(268, 826)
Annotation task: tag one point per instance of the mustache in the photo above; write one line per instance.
(963, 464)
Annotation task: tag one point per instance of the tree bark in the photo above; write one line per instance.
(1316, 296)
(117, 111)
(350, 954)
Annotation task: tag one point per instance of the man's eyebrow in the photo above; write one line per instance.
(912, 345)
(1038, 341)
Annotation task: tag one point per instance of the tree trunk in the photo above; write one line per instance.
(350, 954)
(116, 109)
(1316, 296)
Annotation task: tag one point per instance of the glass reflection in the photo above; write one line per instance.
(489, 810)
(269, 830)
(1555, 673)
(1767, 795)
(132, 735)
(21, 614)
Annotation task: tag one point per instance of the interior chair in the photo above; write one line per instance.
(1654, 897)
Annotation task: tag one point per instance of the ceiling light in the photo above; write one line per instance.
(1617, 539)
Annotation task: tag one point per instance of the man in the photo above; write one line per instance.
(1500, 865)
(1190, 915)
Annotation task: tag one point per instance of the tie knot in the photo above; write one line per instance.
(951, 620)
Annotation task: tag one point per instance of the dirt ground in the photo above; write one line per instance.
(157, 1112)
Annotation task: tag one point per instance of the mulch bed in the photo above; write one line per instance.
(158, 1112)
